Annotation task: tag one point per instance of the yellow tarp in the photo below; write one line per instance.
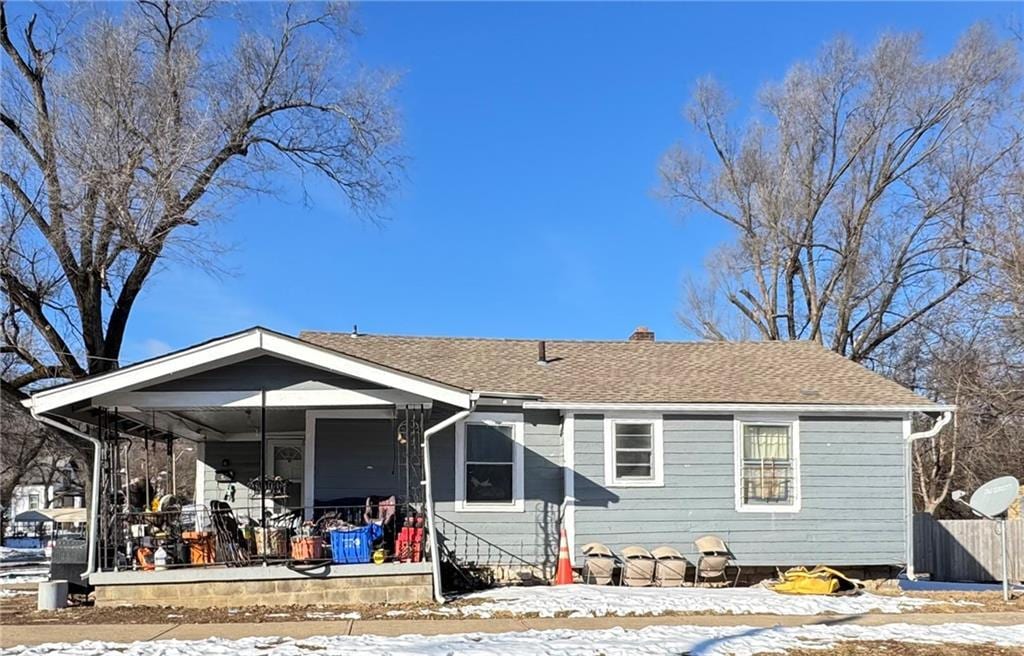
(818, 581)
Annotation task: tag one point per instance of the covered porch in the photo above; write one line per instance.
(312, 483)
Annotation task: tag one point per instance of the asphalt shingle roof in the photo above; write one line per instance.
(632, 372)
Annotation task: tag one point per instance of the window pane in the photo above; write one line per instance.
(632, 471)
(633, 436)
(633, 457)
(488, 443)
(632, 441)
(767, 483)
(492, 483)
(766, 443)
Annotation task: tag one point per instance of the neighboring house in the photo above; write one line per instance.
(37, 495)
(790, 452)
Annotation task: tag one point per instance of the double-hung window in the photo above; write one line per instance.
(767, 466)
(633, 452)
(489, 463)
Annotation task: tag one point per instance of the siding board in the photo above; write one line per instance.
(852, 499)
(531, 535)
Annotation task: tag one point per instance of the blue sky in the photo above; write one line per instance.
(534, 133)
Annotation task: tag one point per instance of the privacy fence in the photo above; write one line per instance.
(966, 549)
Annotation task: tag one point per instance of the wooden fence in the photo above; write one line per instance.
(966, 549)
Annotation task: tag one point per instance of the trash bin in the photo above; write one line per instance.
(354, 545)
(70, 558)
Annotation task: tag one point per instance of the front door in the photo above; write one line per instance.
(285, 460)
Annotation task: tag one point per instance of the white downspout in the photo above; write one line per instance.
(94, 503)
(908, 448)
(435, 555)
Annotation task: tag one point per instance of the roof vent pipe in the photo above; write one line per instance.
(542, 352)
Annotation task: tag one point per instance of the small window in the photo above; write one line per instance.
(633, 452)
(489, 463)
(33, 501)
(768, 475)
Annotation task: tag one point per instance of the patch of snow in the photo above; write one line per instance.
(598, 601)
(7, 594)
(949, 586)
(650, 641)
(326, 615)
(24, 574)
(18, 555)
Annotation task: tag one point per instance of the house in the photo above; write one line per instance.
(792, 453)
(63, 490)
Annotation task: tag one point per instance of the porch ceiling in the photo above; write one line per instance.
(234, 422)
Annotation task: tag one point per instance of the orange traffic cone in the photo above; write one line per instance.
(563, 573)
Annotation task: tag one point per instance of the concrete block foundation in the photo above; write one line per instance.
(344, 585)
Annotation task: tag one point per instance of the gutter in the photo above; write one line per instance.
(807, 408)
(94, 501)
(910, 438)
(435, 554)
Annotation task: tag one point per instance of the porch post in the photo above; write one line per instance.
(263, 471)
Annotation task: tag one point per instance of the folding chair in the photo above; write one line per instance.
(669, 567)
(714, 558)
(637, 567)
(598, 564)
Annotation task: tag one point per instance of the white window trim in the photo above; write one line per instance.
(658, 466)
(793, 422)
(491, 419)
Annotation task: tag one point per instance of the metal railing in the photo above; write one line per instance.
(234, 535)
(465, 548)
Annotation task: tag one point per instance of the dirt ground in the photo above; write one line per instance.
(22, 610)
(892, 648)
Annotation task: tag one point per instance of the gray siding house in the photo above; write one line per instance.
(791, 453)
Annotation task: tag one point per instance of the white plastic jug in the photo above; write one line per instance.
(160, 558)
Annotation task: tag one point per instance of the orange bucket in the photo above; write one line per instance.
(309, 548)
(200, 547)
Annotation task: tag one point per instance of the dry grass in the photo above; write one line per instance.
(894, 648)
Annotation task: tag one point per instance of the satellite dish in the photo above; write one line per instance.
(994, 498)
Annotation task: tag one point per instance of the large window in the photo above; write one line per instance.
(767, 466)
(489, 461)
(633, 452)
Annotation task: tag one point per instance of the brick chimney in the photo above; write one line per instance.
(642, 334)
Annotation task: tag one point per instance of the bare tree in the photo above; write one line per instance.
(856, 192)
(972, 353)
(124, 136)
(876, 199)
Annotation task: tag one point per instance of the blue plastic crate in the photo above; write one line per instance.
(354, 545)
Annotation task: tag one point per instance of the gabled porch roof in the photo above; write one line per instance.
(121, 387)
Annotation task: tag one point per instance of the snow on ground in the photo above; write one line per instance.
(949, 586)
(327, 615)
(16, 555)
(596, 601)
(6, 594)
(650, 641)
(24, 575)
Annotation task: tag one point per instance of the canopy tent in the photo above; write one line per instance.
(55, 515)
